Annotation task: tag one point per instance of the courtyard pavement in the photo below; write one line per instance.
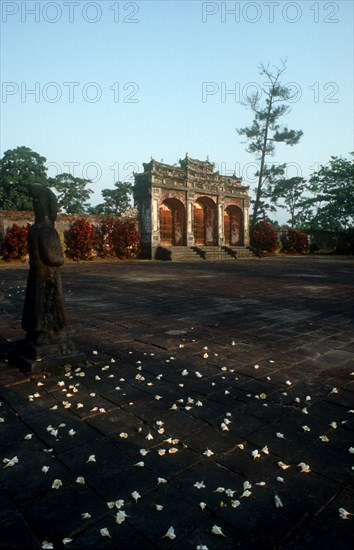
(216, 409)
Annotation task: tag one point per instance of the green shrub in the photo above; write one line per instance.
(294, 241)
(14, 246)
(264, 237)
(81, 240)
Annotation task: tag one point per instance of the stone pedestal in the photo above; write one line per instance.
(56, 358)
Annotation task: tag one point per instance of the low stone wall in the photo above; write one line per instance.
(330, 242)
(62, 224)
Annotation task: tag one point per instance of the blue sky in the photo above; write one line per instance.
(99, 87)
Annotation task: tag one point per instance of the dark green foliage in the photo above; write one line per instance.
(116, 201)
(72, 193)
(288, 193)
(18, 168)
(331, 206)
(14, 246)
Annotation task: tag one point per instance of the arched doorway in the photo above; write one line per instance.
(205, 219)
(172, 223)
(233, 226)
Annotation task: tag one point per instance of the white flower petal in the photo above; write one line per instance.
(47, 545)
(9, 462)
(283, 466)
(57, 483)
(305, 468)
(343, 514)
(235, 503)
(216, 530)
(199, 485)
(278, 502)
(170, 534)
(136, 496)
(105, 533)
(120, 517)
(161, 480)
(208, 452)
(143, 452)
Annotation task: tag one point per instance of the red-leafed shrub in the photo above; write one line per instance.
(105, 237)
(118, 238)
(264, 237)
(81, 240)
(294, 241)
(14, 246)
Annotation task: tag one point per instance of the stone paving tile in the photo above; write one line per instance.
(232, 537)
(15, 533)
(60, 515)
(335, 532)
(170, 515)
(279, 344)
(7, 506)
(268, 530)
(127, 536)
(253, 469)
(313, 492)
(93, 458)
(328, 461)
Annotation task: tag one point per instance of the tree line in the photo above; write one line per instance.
(325, 201)
(21, 166)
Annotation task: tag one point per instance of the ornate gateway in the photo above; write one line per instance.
(190, 204)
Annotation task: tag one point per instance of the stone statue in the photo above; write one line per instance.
(43, 316)
(46, 347)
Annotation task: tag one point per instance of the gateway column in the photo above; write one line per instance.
(190, 218)
(246, 223)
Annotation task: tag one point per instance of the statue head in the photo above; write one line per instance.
(44, 203)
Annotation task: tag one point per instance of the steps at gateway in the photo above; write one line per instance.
(204, 253)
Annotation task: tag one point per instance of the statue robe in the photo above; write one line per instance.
(44, 310)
